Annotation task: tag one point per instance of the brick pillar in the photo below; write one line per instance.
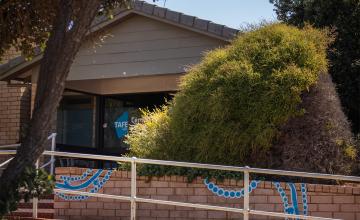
(14, 112)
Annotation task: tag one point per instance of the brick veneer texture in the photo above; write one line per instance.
(16, 105)
(14, 112)
(326, 201)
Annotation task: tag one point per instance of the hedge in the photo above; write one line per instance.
(232, 106)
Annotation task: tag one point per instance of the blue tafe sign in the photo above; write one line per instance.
(121, 125)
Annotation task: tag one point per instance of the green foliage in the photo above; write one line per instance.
(344, 53)
(230, 106)
(33, 183)
(26, 24)
(152, 136)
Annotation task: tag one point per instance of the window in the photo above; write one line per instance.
(76, 120)
(99, 124)
(119, 115)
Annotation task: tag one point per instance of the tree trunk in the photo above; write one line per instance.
(70, 27)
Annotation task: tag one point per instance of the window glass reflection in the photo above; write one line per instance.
(76, 120)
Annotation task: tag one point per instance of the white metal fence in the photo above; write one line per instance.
(51, 162)
(133, 199)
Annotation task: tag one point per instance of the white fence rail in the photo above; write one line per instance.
(10, 146)
(51, 162)
(133, 199)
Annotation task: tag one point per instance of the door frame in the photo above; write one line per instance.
(99, 130)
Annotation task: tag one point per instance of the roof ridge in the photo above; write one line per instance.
(185, 20)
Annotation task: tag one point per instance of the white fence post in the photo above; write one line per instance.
(133, 188)
(35, 200)
(52, 158)
(246, 194)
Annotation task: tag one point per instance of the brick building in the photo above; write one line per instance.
(143, 53)
(14, 105)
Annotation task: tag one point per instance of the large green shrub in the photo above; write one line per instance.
(231, 106)
(342, 16)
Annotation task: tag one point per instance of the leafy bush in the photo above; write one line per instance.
(32, 183)
(342, 17)
(232, 105)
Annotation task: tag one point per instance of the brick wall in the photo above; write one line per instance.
(323, 200)
(14, 112)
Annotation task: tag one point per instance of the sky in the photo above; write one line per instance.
(232, 13)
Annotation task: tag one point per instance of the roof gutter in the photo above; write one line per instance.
(19, 68)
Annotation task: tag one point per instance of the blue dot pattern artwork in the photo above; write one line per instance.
(95, 182)
(292, 208)
(92, 184)
(229, 193)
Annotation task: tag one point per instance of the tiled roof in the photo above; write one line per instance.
(143, 8)
(185, 20)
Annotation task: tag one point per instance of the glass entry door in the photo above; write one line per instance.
(120, 112)
(99, 124)
(116, 125)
